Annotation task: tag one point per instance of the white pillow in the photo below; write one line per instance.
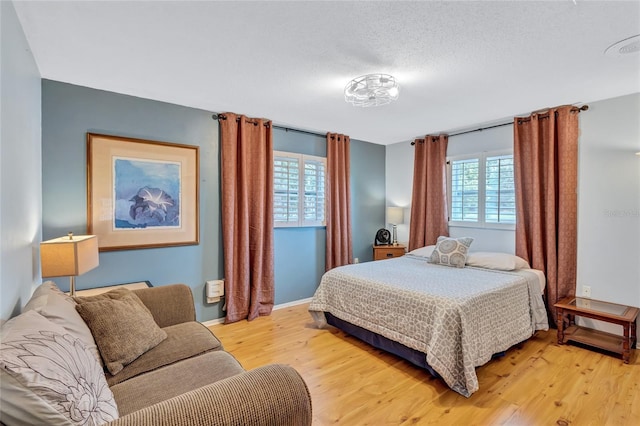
(49, 377)
(451, 251)
(423, 251)
(40, 295)
(494, 260)
(50, 302)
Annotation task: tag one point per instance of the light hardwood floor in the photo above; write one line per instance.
(351, 383)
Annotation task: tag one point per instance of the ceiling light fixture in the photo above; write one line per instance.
(372, 90)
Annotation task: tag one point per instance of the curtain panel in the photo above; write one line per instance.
(339, 246)
(247, 216)
(546, 178)
(429, 210)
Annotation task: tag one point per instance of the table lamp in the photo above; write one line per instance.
(395, 215)
(70, 256)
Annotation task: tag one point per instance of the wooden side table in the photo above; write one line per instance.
(388, 251)
(570, 307)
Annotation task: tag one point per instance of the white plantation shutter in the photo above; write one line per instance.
(286, 182)
(464, 190)
(314, 191)
(482, 191)
(500, 194)
(299, 189)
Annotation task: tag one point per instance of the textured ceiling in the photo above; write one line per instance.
(459, 64)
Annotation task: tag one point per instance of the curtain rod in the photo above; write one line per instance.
(481, 129)
(472, 131)
(306, 132)
(217, 116)
(544, 113)
(579, 109)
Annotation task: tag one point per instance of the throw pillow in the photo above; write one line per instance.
(41, 295)
(48, 376)
(426, 251)
(451, 251)
(496, 260)
(50, 302)
(122, 326)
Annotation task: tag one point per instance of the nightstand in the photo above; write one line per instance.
(388, 251)
(570, 307)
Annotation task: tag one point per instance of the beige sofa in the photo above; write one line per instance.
(55, 372)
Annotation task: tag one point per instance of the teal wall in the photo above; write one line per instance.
(300, 252)
(69, 112)
(367, 196)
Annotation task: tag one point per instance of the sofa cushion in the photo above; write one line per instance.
(50, 302)
(173, 380)
(122, 326)
(183, 341)
(180, 309)
(48, 376)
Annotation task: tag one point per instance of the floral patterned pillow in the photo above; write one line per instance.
(57, 307)
(49, 376)
(451, 251)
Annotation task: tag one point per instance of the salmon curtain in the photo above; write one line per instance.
(546, 179)
(246, 146)
(429, 217)
(339, 250)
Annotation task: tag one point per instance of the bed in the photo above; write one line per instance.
(446, 319)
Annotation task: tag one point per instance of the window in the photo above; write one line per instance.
(464, 190)
(482, 191)
(500, 192)
(299, 189)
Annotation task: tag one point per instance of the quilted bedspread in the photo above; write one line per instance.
(458, 317)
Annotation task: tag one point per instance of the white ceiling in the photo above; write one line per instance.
(459, 64)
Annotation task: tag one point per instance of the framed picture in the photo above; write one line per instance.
(141, 194)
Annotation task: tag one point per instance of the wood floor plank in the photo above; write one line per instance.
(537, 382)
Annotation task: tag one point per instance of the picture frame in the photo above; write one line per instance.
(141, 193)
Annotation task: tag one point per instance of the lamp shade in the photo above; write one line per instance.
(69, 256)
(395, 215)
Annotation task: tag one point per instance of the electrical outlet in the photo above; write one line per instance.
(586, 291)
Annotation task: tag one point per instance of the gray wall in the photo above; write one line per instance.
(69, 112)
(608, 197)
(20, 176)
(399, 179)
(609, 203)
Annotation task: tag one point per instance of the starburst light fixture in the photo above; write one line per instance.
(372, 90)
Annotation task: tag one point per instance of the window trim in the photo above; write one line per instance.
(482, 186)
(302, 159)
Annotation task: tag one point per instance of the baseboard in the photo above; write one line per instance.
(294, 303)
(275, 308)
